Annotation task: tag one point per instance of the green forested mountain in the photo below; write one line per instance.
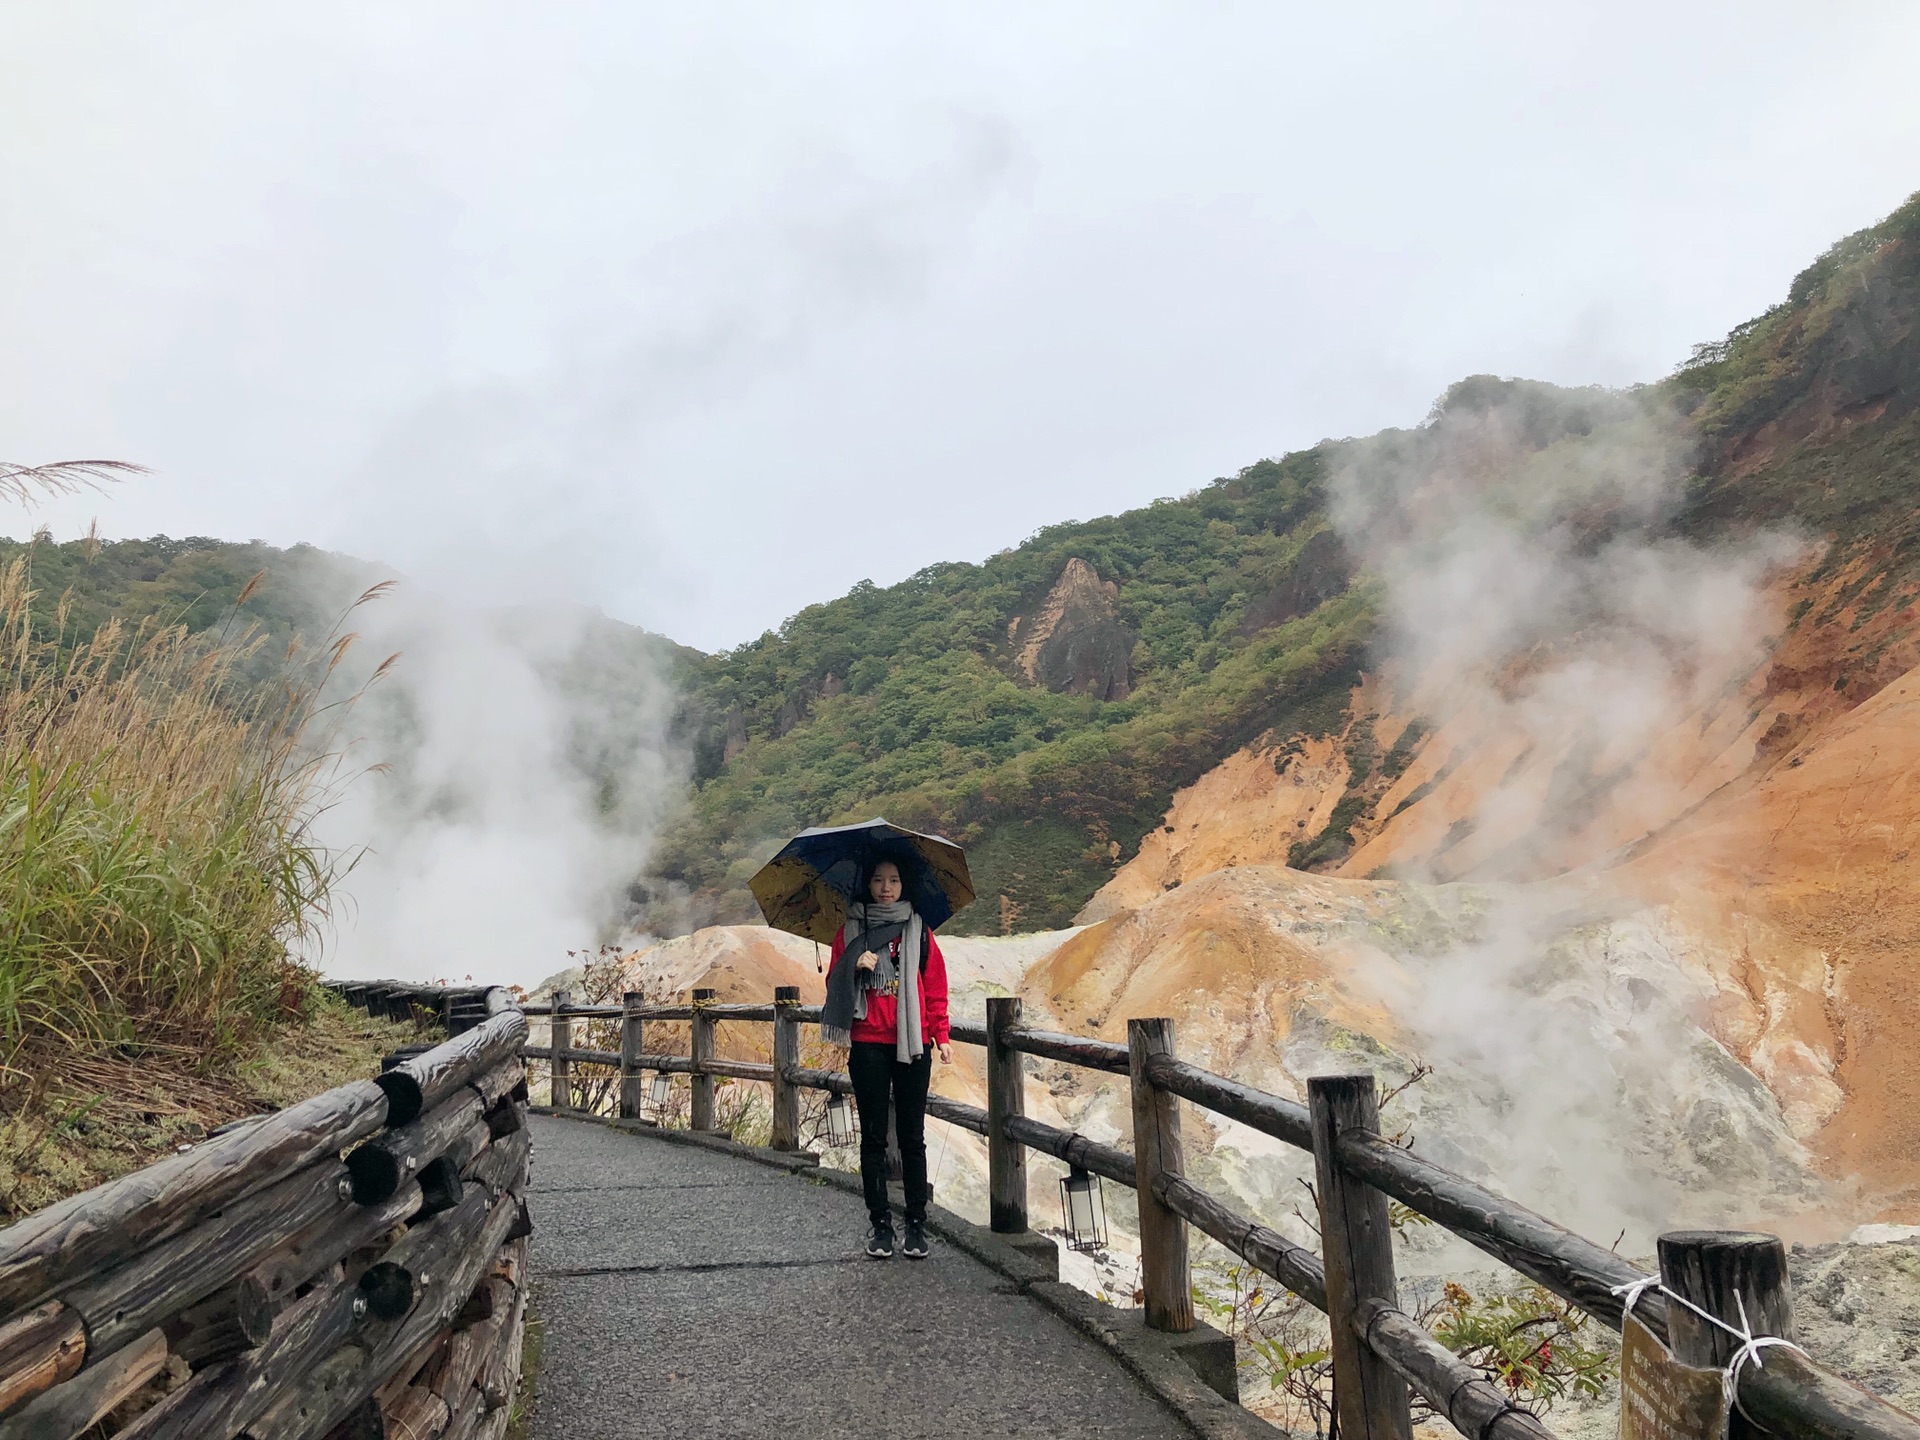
(1241, 614)
(1043, 706)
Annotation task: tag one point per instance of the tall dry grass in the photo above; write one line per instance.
(158, 864)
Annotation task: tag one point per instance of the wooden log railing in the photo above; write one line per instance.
(353, 1265)
(1380, 1352)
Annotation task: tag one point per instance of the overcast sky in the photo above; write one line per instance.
(699, 313)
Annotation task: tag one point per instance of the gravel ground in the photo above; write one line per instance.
(687, 1294)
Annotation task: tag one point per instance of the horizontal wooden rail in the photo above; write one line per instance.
(958, 1112)
(1074, 1148)
(829, 1080)
(1073, 1049)
(1284, 1120)
(223, 1266)
(640, 1012)
(579, 1056)
(1267, 1250)
(738, 1069)
(1789, 1395)
(1571, 1266)
(1449, 1384)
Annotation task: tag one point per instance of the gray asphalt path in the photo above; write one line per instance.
(687, 1294)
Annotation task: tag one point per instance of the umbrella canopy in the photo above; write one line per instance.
(805, 888)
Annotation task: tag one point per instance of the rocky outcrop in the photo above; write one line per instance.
(1322, 570)
(1075, 642)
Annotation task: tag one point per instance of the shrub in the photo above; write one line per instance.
(157, 860)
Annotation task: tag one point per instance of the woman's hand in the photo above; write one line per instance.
(946, 1053)
(867, 961)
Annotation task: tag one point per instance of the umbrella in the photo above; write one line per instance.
(805, 888)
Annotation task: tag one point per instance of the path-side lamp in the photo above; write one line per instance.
(661, 1092)
(1083, 1210)
(839, 1121)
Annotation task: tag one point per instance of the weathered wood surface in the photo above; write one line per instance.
(503, 1164)
(700, 1111)
(573, 1055)
(38, 1350)
(123, 1303)
(633, 1029)
(560, 1052)
(1283, 1119)
(1074, 1148)
(1271, 1252)
(1571, 1266)
(1356, 1244)
(786, 1054)
(65, 1242)
(1452, 1387)
(310, 1409)
(761, 1013)
(1006, 1099)
(1073, 1049)
(958, 1112)
(226, 1398)
(968, 1032)
(324, 1242)
(82, 1402)
(829, 1080)
(382, 1165)
(1783, 1394)
(737, 1069)
(220, 1326)
(1166, 1275)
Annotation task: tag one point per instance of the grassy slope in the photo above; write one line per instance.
(92, 1120)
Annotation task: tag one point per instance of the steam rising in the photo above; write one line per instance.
(1533, 583)
(521, 772)
(1522, 538)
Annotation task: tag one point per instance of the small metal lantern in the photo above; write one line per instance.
(661, 1092)
(1083, 1211)
(839, 1121)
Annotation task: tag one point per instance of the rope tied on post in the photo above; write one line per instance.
(1750, 1344)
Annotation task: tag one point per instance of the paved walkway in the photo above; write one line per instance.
(689, 1294)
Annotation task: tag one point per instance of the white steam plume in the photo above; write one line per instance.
(1533, 583)
(522, 768)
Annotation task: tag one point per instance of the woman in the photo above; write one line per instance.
(887, 1004)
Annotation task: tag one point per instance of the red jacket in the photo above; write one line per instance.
(883, 1010)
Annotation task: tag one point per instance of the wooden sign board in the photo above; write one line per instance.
(1662, 1399)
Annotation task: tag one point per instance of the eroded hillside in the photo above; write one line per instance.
(1743, 540)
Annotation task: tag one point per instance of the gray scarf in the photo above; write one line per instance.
(849, 986)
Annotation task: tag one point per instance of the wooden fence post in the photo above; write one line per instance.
(1006, 1096)
(1165, 1275)
(1710, 1267)
(632, 1033)
(1356, 1243)
(702, 1116)
(786, 1055)
(560, 1027)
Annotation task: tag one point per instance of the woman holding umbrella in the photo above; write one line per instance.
(877, 891)
(887, 1003)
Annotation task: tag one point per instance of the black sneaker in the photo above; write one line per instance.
(915, 1247)
(880, 1241)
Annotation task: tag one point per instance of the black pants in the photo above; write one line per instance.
(881, 1083)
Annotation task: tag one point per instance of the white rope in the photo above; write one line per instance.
(1750, 1344)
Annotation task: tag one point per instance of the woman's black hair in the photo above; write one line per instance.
(903, 863)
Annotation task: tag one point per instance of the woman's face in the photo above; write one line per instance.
(884, 888)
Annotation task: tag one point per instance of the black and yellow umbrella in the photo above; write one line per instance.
(805, 888)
